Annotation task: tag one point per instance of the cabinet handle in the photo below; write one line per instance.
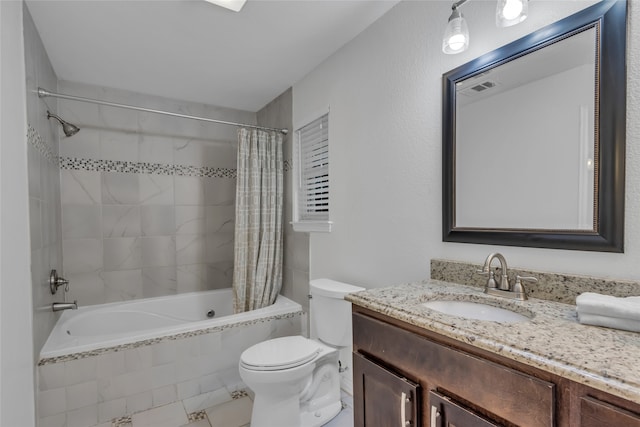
(435, 415)
(403, 410)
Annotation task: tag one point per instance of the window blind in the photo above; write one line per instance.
(313, 170)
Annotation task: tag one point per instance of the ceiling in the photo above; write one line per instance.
(195, 51)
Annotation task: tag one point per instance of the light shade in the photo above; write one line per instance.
(456, 35)
(511, 12)
(234, 5)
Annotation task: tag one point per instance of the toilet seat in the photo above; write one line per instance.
(280, 353)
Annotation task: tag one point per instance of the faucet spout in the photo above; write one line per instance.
(503, 283)
(59, 306)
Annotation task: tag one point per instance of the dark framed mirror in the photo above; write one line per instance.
(534, 138)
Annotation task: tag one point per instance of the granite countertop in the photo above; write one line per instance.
(553, 340)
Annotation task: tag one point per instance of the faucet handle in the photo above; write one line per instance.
(520, 279)
(518, 287)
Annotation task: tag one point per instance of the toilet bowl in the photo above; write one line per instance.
(296, 380)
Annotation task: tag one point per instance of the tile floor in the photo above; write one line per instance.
(236, 412)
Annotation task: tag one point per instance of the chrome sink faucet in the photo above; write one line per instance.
(501, 287)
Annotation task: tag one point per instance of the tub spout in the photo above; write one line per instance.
(59, 306)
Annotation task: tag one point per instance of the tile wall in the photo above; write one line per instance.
(44, 184)
(148, 201)
(196, 368)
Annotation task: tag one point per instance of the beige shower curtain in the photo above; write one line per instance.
(257, 273)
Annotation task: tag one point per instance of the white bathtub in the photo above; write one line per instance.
(107, 362)
(116, 324)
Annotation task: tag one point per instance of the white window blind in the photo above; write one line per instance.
(312, 204)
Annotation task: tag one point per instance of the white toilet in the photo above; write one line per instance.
(295, 379)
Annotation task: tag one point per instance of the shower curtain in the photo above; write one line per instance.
(257, 273)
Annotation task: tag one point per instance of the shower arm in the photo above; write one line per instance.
(43, 93)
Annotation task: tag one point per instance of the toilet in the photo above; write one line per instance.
(296, 380)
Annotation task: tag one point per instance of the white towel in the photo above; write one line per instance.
(609, 311)
(610, 322)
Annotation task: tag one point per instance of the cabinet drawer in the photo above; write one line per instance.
(594, 413)
(506, 393)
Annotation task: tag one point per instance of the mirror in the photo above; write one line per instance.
(534, 138)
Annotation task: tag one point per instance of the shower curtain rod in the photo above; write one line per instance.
(42, 93)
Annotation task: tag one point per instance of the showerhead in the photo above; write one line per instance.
(67, 128)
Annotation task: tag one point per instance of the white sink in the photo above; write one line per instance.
(475, 310)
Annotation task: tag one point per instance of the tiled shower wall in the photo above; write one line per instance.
(148, 201)
(44, 185)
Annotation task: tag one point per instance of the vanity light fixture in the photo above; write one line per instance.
(234, 5)
(511, 12)
(456, 35)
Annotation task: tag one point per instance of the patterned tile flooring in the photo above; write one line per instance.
(234, 413)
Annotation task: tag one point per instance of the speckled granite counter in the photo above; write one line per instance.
(553, 340)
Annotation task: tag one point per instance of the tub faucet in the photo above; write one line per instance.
(59, 306)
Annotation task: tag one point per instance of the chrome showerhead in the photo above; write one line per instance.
(67, 128)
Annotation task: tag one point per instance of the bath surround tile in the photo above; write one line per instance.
(122, 253)
(156, 189)
(190, 220)
(121, 221)
(165, 416)
(157, 220)
(164, 395)
(80, 187)
(206, 400)
(83, 417)
(116, 382)
(111, 409)
(81, 395)
(120, 189)
(234, 414)
(139, 402)
(52, 402)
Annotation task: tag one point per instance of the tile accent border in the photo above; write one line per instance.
(137, 344)
(73, 163)
(197, 416)
(93, 165)
(121, 421)
(556, 287)
(239, 394)
(40, 144)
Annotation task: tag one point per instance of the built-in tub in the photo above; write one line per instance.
(109, 361)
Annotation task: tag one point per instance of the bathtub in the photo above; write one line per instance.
(131, 356)
(117, 324)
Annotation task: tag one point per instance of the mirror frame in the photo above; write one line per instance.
(610, 19)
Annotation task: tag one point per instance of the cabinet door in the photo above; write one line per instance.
(444, 412)
(382, 398)
(594, 413)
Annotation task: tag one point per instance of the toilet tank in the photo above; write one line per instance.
(329, 311)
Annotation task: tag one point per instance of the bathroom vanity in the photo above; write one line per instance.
(414, 366)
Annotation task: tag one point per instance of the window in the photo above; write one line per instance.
(311, 177)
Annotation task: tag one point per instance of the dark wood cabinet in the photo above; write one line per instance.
(594, 413)
(454, 384)
(445, 412)
(382, 398)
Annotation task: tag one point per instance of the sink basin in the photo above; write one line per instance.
(475, 310)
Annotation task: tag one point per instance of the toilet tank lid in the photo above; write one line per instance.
(332, 289)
